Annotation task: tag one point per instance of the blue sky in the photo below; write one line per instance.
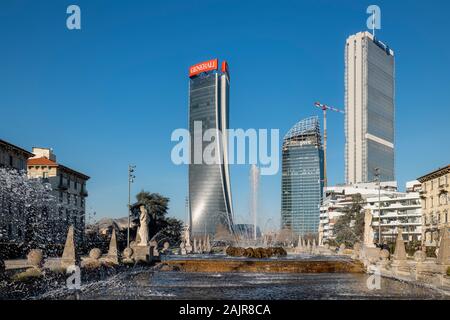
(113, 92)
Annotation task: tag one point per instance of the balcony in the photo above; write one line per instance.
(84, 192)
(63, 186)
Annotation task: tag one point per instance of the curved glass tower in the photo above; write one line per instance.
(210, 202)
(302, 177)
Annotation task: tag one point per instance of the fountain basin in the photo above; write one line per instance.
(265, 266)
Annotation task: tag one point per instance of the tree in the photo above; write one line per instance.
(349, 228)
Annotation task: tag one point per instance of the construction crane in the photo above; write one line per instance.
(324, 109)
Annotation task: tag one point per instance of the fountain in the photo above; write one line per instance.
(254, 186)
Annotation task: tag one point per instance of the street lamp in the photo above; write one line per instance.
(377, 175)
(131, 177)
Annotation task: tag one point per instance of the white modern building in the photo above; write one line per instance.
(370, 109)
(339, 198)
(399, 210)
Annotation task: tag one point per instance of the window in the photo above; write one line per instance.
(75, 183)
(11, 161)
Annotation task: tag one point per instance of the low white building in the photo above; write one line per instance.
(398, 209)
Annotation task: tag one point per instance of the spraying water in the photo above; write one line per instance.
(254, 185)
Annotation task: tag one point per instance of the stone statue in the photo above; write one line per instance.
(187, 239)
(187, 235)
(144, 219)
(183, 248)
(368, 231)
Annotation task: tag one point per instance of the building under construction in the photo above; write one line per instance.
(303, 177)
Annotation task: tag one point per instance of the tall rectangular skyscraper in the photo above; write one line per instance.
(370, 109)
(209, 183)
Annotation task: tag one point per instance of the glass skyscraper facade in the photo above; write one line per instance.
(210, 203)
(302, 177)
(370, 109)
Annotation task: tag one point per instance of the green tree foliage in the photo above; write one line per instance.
(349, 228)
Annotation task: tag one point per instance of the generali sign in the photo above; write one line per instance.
(203, 67)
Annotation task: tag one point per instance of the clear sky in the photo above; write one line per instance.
(111, 93)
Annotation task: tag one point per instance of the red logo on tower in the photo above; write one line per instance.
(203, 67)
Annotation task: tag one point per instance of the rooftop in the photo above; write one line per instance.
(18, 149)
(435, 174)
(47, 162)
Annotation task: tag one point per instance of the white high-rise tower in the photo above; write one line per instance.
(370, 109)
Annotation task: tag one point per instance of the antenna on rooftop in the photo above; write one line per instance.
(374, 20)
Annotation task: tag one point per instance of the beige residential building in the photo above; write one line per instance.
(12, 211)
(435, 204)
(69, 187)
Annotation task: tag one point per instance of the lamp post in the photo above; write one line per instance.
(131, 177)
(377, 175)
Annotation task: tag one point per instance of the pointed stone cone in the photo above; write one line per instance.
(444, 248)
(203, 245)
(303, 243)
(299, 244)
(112, 252)
(208, 244)
(308, 246)
(400, 252)
(69, 257)
(195, 245)
(314, 242)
